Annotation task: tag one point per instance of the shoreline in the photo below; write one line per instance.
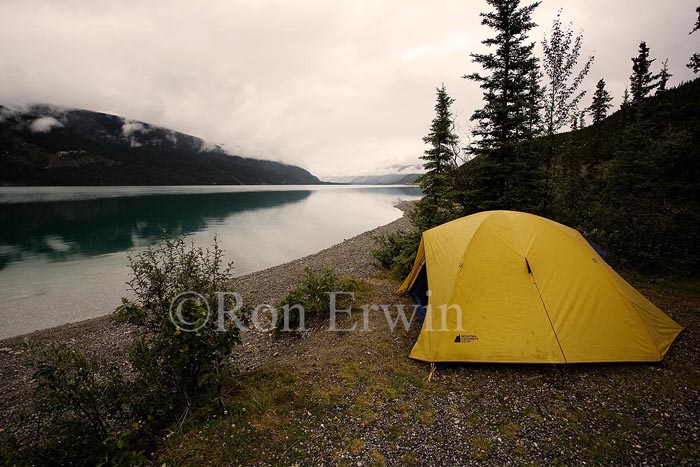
(352, 257)
(263, 286)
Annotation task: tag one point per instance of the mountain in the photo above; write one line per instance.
(390, 179)
(47, 145)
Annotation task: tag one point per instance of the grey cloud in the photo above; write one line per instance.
(338, 87)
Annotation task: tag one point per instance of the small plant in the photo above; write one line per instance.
(312, 295)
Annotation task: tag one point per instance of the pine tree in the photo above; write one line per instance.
(501, 173)
(440, 157)
(601, 102)
(574, 122)
(694, 63)
(625, 99)
(664, 76)
(534, 106)
(642, 81)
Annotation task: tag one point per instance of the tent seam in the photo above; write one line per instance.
(587, 248)
(625, 300)
(546, 312)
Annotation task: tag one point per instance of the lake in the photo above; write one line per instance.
(63, 250)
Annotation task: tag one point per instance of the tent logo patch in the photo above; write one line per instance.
(465, 338)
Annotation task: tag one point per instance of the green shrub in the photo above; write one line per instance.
(396, 251)
(79, 414)
(312, 294)
(175, 367)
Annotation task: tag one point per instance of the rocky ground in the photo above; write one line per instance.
(355, 399)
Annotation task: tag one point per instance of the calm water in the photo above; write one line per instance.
(63, 250)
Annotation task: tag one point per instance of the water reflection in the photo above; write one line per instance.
(66, 260)
(64, 229)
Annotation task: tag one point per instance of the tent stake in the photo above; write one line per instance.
(432, 370)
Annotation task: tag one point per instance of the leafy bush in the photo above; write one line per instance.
(396, 251)
(79, 414)
(176, 366)
(312, 294)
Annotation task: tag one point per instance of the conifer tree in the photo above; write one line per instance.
(642, 81)
(574, 122)
(625, 99)
(440, 156)
(534, 106)
(601, 102)
(694, 63)
(664, 76)
(501, 173)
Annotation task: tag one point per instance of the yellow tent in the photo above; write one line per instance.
(508, 286)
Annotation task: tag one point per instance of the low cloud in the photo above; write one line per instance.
(207, 146)
(131, 129)
(44, 124)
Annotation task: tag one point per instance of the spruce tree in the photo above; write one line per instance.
(534, 106)
(625, 99)
(501, 174)
(440, 156)
(642, 81)
(601, 102)
(574, 122)
(694, 63)
(664, 76)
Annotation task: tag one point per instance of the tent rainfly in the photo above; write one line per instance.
(511, 287)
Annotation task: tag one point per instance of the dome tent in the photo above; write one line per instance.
(512, 287)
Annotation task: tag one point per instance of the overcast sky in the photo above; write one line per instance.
(338, 87)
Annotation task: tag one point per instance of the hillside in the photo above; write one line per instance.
(630, 182)
(46, 145)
